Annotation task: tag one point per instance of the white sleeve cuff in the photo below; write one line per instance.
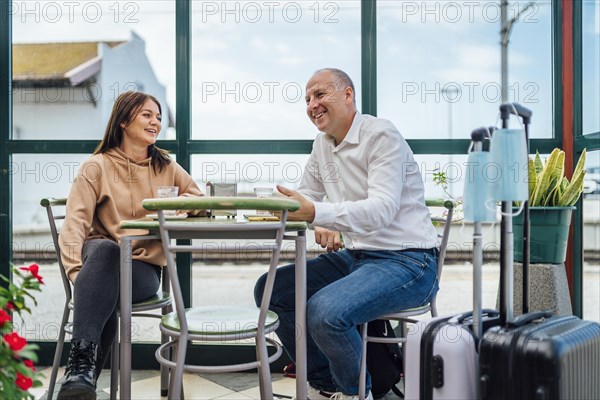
(324, 214)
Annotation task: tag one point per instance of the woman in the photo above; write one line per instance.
(109, 187)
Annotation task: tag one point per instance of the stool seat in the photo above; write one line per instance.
(160, 299)
(221, 320)
(408, 312)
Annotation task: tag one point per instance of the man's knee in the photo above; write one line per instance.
(259, 289)
(322, 313)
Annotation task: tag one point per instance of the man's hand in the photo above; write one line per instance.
(306, 212)
(327, 239)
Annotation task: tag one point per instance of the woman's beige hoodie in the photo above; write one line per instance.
(109, 188)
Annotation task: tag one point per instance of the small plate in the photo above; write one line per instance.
(260, 217)
(178, 216)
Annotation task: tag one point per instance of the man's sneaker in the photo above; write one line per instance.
(342, 396)
(316, 394)
(290, 370)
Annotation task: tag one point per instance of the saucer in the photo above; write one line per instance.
(177, 216)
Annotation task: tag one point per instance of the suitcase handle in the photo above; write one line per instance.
(527, 318)
(469, 314)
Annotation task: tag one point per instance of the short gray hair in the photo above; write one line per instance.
(341, 76)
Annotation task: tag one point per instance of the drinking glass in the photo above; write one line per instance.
(263, 192)
(168, 191)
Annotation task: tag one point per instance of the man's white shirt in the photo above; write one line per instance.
(373, 185)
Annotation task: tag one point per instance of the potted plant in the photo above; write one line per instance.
(551, 200)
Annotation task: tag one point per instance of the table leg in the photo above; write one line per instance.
(301, 359)
(125, 323)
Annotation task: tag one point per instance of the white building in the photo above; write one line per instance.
(74, 85)
(65, 91)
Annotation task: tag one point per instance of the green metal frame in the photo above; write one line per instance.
(589, 141)
(5, 135)
(184, 147)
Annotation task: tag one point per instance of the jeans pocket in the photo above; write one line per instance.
(415, 257)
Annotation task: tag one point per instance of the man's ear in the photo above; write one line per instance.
(349, 95)
(122, 125)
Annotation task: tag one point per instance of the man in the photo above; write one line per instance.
(388, 257)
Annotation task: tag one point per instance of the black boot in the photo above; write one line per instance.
(80, 376)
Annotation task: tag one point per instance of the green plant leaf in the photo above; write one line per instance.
(532, 177)
(580, 167)
(573, 191)
(544, 180)
(537, 162)
(563, 185)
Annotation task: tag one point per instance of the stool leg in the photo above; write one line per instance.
(264, 374)
(362, 383)
(164, 371)
(176, 384)
(60, 342)
(114, 368)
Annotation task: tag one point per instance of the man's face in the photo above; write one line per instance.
(329, 105)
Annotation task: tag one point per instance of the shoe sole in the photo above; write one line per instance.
(76, 395)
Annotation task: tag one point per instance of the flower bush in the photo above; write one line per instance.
(17, 357)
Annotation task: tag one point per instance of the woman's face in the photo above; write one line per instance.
(145, 126)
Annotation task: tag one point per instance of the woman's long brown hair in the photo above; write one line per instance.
(126, 108)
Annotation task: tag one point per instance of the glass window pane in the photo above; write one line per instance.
(591, 236)
(591, 66)
(439, 66)
(249, 170)
(251, 61)
(72, 59)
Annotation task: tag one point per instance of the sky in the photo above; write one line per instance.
(251, 59)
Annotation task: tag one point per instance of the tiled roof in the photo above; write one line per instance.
(51, 61)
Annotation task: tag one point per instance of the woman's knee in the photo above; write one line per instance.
(101, 250)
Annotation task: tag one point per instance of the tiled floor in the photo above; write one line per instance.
(146, 386)
(226, 386)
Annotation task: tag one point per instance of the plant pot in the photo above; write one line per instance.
(548, 237)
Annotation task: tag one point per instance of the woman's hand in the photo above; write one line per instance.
(191, 213)
(330, 240)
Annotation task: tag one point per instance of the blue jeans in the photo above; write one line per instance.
(346, 289)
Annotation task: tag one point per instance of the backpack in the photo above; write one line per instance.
(384, 360)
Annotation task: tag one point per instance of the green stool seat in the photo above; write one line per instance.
(220, 320)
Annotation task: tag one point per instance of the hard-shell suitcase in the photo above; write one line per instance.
(541, 357)
(427, 349)
(441, 357)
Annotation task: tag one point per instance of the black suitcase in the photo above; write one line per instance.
(541, 357)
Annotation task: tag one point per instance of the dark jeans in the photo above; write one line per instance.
(96, 291)
(346, 289)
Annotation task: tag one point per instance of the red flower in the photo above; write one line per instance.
(4, 317)
(15, 341)
(34, 269)
(10, 306)
(29, 364)
(23, 382)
